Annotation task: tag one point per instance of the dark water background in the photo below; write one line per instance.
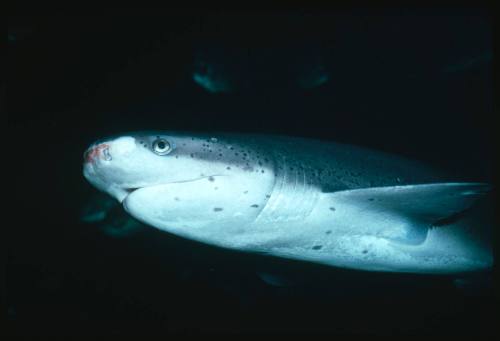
(414, 82)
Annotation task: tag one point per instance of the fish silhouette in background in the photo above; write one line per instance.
(228, 70)
(108, 215)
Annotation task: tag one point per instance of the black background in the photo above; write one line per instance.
(417, 82)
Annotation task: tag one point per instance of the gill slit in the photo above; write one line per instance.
(293, 198)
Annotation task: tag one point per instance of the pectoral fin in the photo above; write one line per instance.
(405, 213)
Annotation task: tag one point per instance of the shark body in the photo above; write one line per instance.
(317, 201)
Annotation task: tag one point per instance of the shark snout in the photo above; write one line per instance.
(97, 152)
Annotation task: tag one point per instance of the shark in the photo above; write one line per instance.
(311, 200)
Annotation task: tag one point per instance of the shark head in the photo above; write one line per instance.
(182, 183)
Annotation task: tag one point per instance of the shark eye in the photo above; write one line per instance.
(161, 147)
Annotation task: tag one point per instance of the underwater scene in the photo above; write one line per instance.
(293, 171)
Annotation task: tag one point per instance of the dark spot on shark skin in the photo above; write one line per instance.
(371, 199)
(211, 179)
(365, 251)
(328, 232)
(177, 199)
(268, 196)
(262, 171)
(216, 188)
(317, 247)
(192, 155)
(255, 205)
(218, 209)
(228, 168)
(332, 208)
(245, 192)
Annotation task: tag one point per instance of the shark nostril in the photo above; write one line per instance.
(107, 155)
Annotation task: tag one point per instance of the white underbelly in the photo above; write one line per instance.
(329, 237)
(440, 253)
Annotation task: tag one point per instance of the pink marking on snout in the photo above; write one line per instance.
(95, 152)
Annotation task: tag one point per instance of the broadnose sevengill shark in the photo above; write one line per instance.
(317, 201)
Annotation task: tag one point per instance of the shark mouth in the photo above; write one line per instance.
(130, 190)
